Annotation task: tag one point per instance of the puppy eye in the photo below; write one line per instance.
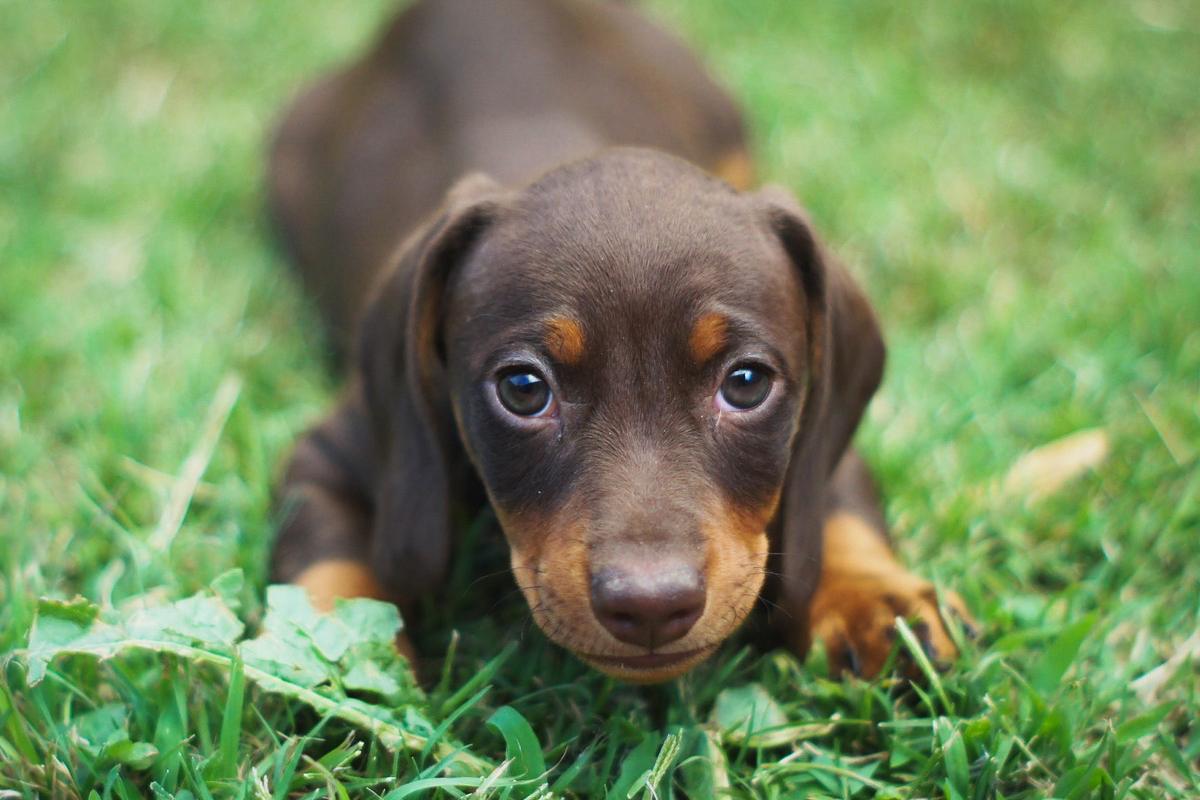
(745, 387)
(525, 394)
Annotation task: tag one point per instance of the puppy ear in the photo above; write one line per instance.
(845, 357)
(403, 381)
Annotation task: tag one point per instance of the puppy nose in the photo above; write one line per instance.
(649, 605)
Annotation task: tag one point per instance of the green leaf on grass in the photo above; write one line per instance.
(78, 626)
(286, 658)
(104, 734)
(56, 627)
(368, 676)
(309, 657)
(704, 770)
(93, 729)
(747, 712)
(292, 619)
(136, 755)
(199, 619)
(371, 620)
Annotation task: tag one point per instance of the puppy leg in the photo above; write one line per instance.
(323, 542)
(863, 587)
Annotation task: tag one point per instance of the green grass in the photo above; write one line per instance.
(1018, 183)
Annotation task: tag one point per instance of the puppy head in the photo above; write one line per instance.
(627, 353)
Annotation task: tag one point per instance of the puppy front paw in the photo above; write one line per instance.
(854, 615)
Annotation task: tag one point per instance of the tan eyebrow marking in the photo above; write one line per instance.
(708, 336)
(737, 169)
(564, 340)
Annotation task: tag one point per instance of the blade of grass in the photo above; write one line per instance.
(225, 766)
(923, 663)
(195, 464)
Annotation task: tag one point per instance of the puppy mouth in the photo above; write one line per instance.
(648, 667)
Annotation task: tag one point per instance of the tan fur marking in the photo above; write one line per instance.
(551, 567)
(853, 545)
(736, 569)
(748, 521)
(863, 588)
(737, 554)
(736, 169)
(564, 340)
(326, 581)
(708, 337)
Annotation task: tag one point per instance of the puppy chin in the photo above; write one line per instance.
(647, 669)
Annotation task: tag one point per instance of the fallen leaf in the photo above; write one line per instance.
(309, 657)
(1148, 686)
(1044, 470)
(749, 715)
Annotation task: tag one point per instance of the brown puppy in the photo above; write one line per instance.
(653, 377)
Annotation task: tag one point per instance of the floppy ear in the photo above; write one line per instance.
(845, 357)
(418, 456)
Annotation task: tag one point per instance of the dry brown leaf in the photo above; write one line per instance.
(1148, 685)
(1044, 470)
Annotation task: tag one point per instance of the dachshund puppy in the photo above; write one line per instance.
(651, 373)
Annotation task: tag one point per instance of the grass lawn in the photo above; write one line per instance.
(1017, 183)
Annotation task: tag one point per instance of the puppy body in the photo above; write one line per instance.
(585, 335)
(508, 88)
